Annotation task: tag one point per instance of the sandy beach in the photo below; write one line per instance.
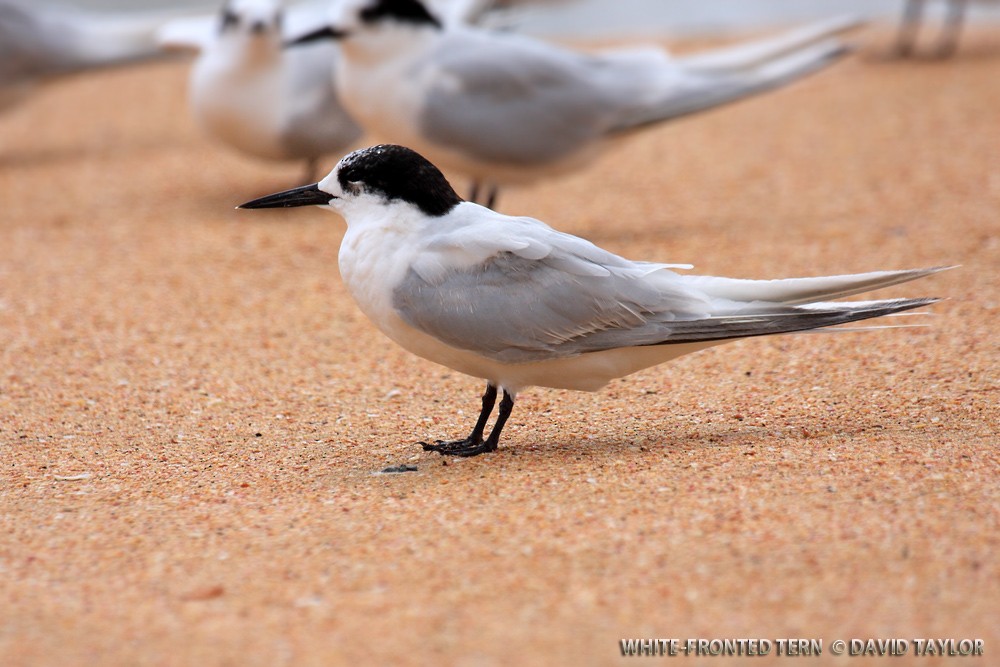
(193, 411)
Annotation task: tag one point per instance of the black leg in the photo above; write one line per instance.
(311, 165)
(908, 27)
(489, 400)
(474, 444)
(491, 194)
(952, 27)
(506, 407)
(491, 199)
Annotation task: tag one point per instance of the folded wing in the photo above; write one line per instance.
(577, 298)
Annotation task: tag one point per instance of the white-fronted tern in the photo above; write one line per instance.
(250, 92)
(504, 108)
(519, 304)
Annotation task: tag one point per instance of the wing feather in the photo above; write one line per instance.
(515, 308)
(515, 291)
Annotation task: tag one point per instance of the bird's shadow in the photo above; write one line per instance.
(977, 51)
(42, 157)
(682, 444)
(56, 153)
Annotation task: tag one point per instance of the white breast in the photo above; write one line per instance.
(380, 246)
(240, 103)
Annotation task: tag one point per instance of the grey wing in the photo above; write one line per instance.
(514, 309)
(510, 100)
(513, 100)
(318, 124)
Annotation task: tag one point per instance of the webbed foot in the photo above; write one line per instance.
(466, 447)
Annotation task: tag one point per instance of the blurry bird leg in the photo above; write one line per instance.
(909, 26)
(491, 198)
(474, 444)
(952, 28)
(312, 164)
(491, 194)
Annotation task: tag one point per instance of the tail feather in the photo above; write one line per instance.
(785, 320)
(691, 91)
(756, 53)
(795, 291)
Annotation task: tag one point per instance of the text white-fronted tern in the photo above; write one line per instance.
(519, 304)
(503, 108)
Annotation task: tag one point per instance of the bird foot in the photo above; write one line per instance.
(466, 447)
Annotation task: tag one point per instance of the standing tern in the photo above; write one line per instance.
(519, 304)
(504, 108)
(250, 92)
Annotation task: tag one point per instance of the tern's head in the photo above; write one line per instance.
(250, 19)
(353, 17)
(355, 14)
(376, 177)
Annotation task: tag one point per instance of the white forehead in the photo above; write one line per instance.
(330, 184)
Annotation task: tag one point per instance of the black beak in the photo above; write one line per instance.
(326, 32)
(307, 195)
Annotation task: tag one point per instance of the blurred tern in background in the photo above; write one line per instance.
(503, 108)
(518, 304)
(271, 102)
(250, 92)
(41, 41)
